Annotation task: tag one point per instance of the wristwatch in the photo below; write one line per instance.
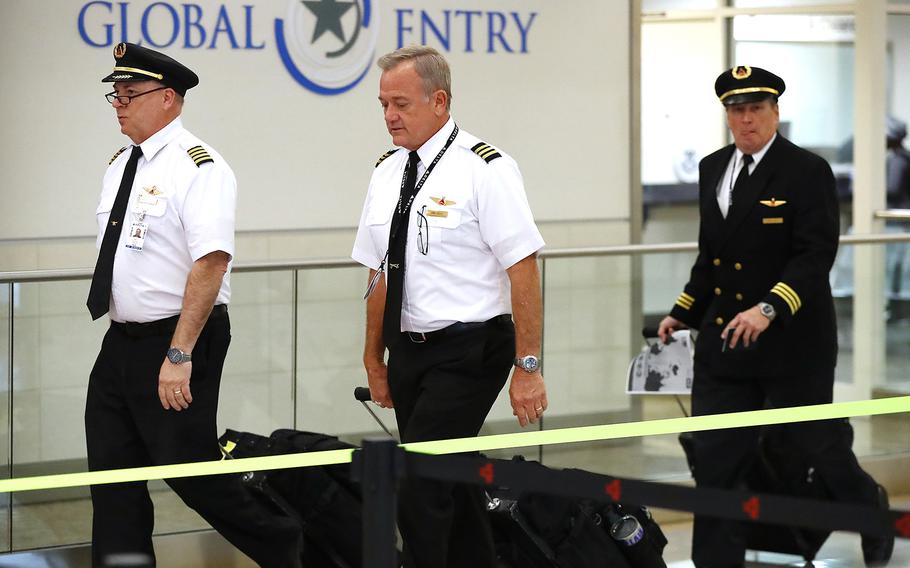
(528, 363)
(176, 356)
(767, 310)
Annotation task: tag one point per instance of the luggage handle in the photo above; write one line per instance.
(362, 395)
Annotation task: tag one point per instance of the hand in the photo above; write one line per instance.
(378, 379)
(528, 395)
(174, 385)
(667, 326)
(746, 327)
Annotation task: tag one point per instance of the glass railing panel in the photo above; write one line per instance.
(594, 309)
(890, 329)
(55, 345)
(256, 385)
(592, 331)
(331, 319)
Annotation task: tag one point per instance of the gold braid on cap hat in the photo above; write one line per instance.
(746, 90)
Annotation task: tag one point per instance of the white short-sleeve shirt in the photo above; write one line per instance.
(185, 212)
(480, 224)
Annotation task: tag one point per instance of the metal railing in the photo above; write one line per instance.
(58, 275)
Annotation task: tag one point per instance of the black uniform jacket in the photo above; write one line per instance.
(776, 245)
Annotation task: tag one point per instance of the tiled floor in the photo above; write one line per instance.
(841, 550)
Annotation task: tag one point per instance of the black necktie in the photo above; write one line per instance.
(398, 237)
(99, 296)
(741, 178)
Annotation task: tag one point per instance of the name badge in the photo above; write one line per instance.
(150, 201)
(432, 213)
(772, 220)
(135, 239)
(146, 199)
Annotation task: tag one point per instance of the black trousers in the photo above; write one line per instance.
(442, 389)
(723, 456)
(126, 426)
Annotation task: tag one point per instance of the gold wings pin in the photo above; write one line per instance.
(442, 201)
(773, 202)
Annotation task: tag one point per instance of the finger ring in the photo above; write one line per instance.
(178, 391)
(539, 409)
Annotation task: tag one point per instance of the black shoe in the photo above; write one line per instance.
(877, 549)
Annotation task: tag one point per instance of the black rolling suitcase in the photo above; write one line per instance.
(322, 498)
(533, 530)
(779, 469)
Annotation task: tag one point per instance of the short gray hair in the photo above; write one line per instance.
(430, 65)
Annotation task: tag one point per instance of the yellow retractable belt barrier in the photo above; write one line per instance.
(483, 443)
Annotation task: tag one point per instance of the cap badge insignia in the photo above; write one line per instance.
(742, 72)
(442, 201)
(773, 202)
(120, 50)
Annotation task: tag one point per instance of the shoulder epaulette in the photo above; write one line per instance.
(486, 151)
(384, 156)
(199, 155)
(114, 157)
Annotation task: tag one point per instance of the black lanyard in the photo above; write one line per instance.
(403, 212)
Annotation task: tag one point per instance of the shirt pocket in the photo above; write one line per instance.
(441, 218)
(773, 214)
(105, 206)
(149, 205)
(379, 211)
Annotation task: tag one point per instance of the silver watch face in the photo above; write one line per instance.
(175, 356)
(529, 363)
(767, 310)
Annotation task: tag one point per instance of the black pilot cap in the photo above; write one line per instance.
(744, 84)
(136, 63)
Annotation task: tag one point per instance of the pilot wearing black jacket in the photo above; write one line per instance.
(760, 298)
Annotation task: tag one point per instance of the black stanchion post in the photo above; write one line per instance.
(378, 466)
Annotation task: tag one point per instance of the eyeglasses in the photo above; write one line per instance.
(125, 99)
(423, 238)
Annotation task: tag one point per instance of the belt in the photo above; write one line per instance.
(455, 329)
(164, 326)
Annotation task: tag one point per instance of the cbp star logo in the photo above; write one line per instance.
(328, 16)
(327, 46)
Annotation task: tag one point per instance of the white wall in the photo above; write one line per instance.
(303, 161)
(557, 103)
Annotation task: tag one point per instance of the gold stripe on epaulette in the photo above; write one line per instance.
(120, 151)
(199, 155)
(384, 156)
(485, 151)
